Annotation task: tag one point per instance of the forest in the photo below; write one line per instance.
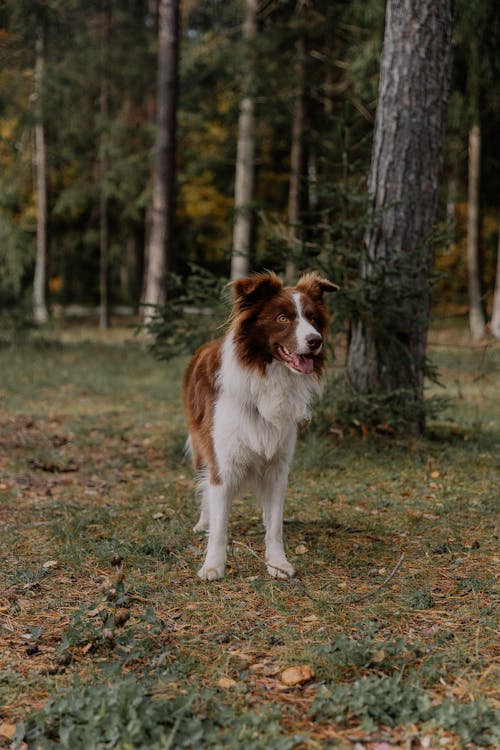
(152, 152)
(78, 101)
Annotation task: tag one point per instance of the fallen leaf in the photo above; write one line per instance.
(226, 683)
(310, 618)
(7, 730)
(297, 674)
(265, 668)
(50, 564)
(96, 611)
(301, 549)
(435, 474)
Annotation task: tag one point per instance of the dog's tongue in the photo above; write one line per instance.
(303, 363)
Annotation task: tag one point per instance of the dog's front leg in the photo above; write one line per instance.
(218, 498)
(273, 491)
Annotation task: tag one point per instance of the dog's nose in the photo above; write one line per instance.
(314, 341)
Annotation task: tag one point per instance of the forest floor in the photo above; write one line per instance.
(109, 639)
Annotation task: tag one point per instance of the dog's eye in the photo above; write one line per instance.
(281, 318)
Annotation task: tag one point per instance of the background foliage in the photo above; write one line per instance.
(342, 41)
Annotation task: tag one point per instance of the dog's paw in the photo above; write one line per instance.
(211, 572)
(281, 569)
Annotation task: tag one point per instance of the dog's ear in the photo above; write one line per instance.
(256, 288)
(313, 284)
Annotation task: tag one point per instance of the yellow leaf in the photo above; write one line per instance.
(297, 675)
(226, 683)
(7, 730)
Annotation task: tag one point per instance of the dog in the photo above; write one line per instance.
(245, 395)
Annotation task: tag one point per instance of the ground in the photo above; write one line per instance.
(101, 609)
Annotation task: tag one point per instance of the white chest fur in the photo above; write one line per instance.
(258, 414)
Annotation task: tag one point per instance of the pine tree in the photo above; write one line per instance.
(160, 240)
(387, 345)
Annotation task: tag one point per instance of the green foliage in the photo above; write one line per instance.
(393, 700)
(345, 654)
(131, 713)
(390, 698)
(194, 313)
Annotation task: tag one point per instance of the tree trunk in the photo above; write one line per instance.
(40, 313)
(160, 240)
(495, 316)
(296, 158)
(476, 315)
(103, 169)
(245, 160)
(387, 346)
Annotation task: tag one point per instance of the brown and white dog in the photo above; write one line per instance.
(244, 396)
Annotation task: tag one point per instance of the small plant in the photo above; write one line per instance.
(102, 627)
(346, 655)
(195, 309)
(128, 713)
(391, 701)
(373, 701)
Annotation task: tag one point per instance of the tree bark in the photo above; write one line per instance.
(245, 160)
(476, 315)
(495, 316)
(296, 158)
(103, 169)
(160, 240)
(387, 346)
(40, 313)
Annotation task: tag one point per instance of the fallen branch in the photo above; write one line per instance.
(349, 599)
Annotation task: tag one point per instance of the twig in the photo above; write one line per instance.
(350, 599)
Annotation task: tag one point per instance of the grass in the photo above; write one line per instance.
(108, 638)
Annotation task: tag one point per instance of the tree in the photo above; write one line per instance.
(40, 313)
(103, 168)
(296, 155)
(162, 221)
(386, 352)
(476, 315)
(495, 315)
(245, 158)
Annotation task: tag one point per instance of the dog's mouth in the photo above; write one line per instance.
(303, 363)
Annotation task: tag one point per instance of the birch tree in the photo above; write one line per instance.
(40, 313)
(245, 158)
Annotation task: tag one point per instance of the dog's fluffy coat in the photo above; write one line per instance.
(244, 396)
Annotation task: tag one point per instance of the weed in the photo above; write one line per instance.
(127, 713)
(392, 701)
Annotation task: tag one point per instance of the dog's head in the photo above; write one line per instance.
(287, 324)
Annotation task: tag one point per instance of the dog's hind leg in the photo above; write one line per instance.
(204, 520)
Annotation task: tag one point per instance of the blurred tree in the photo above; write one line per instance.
(495, 315)
(386, 352)
(40, 313)
(162, 220)
(104, 316)
(476, 315)
(245, 155)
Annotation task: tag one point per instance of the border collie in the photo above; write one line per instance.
(244, 396)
